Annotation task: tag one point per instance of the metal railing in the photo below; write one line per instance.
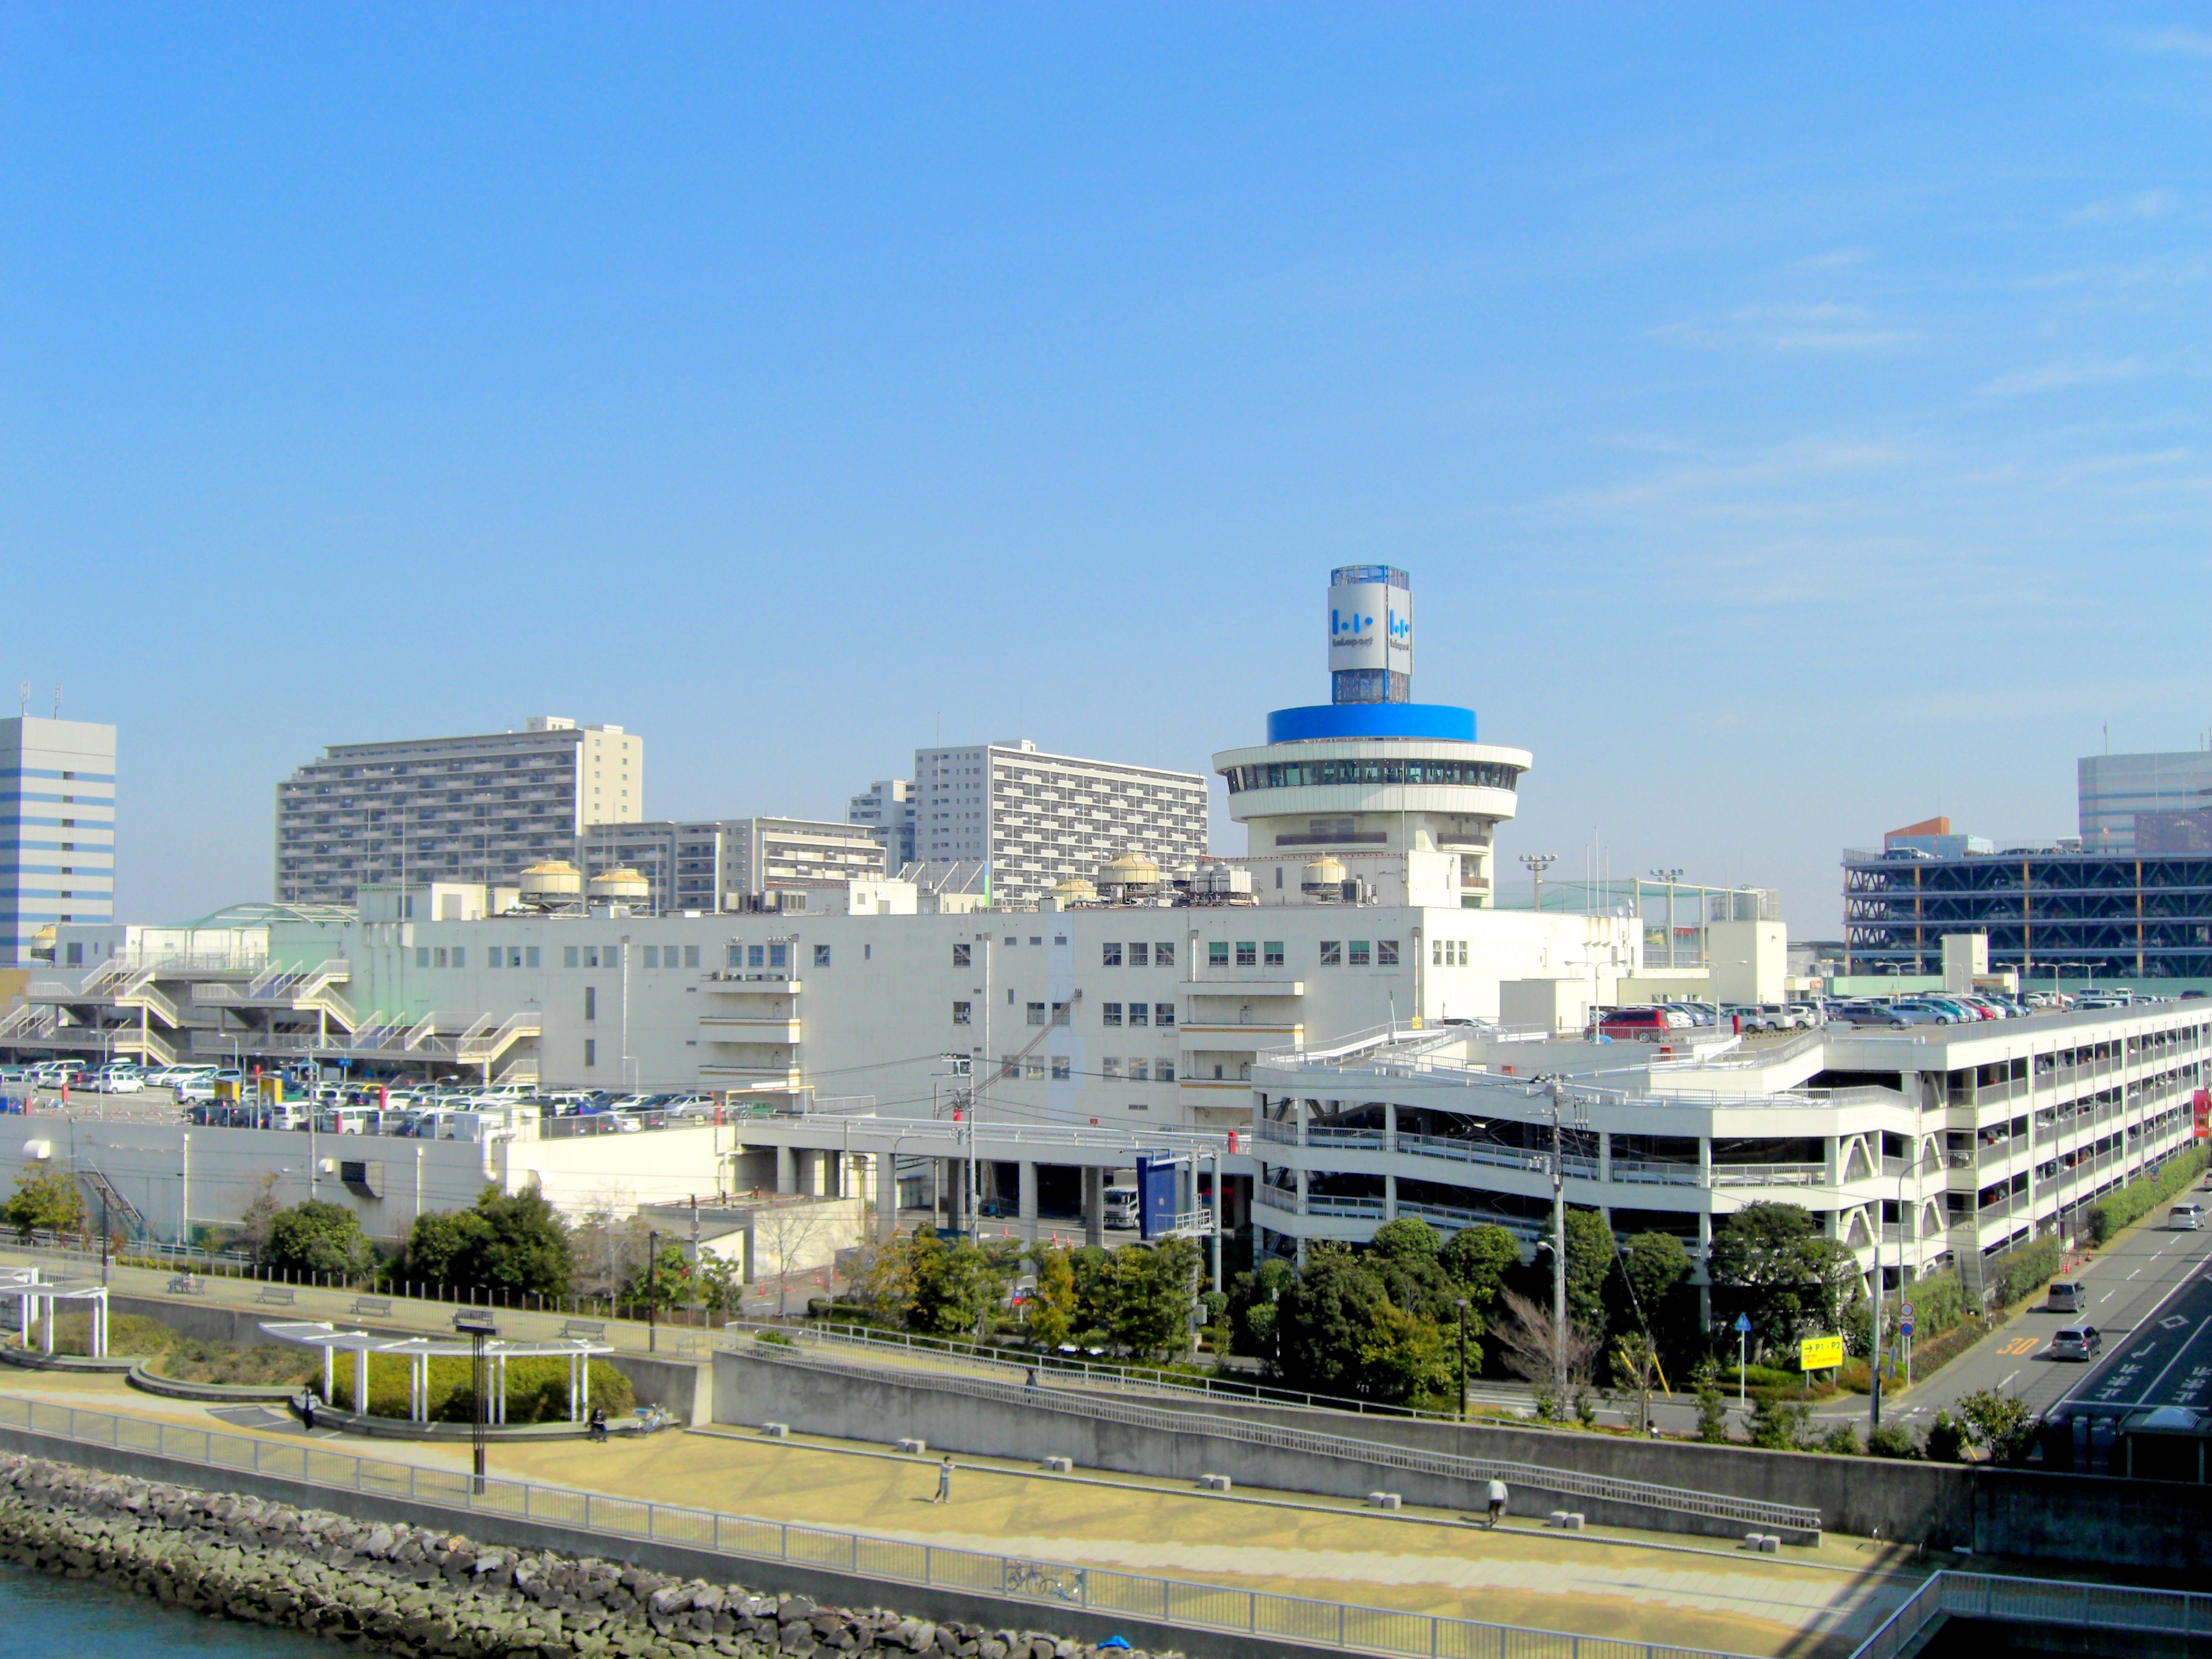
(1097, 1590)
(2040, 1602)
(1372, 1454)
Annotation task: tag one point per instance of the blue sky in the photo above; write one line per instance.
(1794, 418)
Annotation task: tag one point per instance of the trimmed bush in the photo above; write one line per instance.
(537, 1389)
(2020, 1272)
(2115, 1211)
(1891, 1440)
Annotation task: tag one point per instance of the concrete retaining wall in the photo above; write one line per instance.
(749, 1389)
(820, 1583)
(2151, 1525)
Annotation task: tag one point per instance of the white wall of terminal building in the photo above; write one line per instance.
(1165, 1009)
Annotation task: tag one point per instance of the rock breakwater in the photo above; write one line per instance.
(433, 1594)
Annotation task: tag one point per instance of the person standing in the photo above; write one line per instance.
(944, 1481)
(1496, 1502)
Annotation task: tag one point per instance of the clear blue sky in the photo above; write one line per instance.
(1794, 418)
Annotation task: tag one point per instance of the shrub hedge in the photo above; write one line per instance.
(537, 1389)
(2021, 1271)
(2132, 1202)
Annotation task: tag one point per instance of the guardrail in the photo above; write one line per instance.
(2040, 1602)
(1575, 1483)
(1097, 1590)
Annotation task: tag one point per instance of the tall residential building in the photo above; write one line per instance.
(1037, 818)
(2114, 788)
(721, 863)
(57, 828)
(888, 804)
(477, 808)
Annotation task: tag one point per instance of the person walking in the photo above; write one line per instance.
(944, 1481)
(1496, 1502)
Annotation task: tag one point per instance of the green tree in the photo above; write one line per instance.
(1779, 1425)
(1152, 1287)
(1052, 1309)
(318, 1238)
(44, 1201)
(1892, 1440)
(2000, 1423)
(1770, 1262)
(440, 1247)
(666, 1284)
(1252, 1301)
(949, 1286)
(1091, 1266)
(721, 1284)
(1409, 1239)
(1946, 1441)
(1589, 1264)
(1712, 1404)
(524, 1248)
(1477, 1259)
(1635, 1367)
(1342, 1334)
(1647, 1291)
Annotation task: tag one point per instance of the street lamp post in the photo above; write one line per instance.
(1670, 877)
(1536, 864)
(1461, 1305)
(477, 1324)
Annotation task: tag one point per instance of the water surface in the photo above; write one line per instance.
(43, 1616)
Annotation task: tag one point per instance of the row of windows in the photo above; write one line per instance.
(1293, 775)
(1139, 954)
(1061, 1069)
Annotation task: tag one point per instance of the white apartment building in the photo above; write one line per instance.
(57, 829)
(887, 804)
(479, 808)
(725, 863)
(1039, 819)
(1943, 1145)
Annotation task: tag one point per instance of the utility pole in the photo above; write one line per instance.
(1558, 1251)
(1536, 864)
(1670, 877)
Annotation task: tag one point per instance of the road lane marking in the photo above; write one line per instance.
(2007, 1382)
(2137, 1270)
(2107, 1297)
(2200, 1330)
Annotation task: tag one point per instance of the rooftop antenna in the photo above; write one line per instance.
(23, 698)
(57, 703)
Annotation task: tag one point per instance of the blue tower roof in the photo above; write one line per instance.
(1371, 719)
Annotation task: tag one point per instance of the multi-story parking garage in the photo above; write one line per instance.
(1944, 1144)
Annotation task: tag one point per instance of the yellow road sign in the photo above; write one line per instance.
(1819, 1353)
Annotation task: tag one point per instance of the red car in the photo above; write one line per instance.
(1637, 1024)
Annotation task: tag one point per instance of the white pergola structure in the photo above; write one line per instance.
(36, 1299)
(420, 1351)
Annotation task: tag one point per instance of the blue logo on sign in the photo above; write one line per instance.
(1401, 629)
(1355, 624)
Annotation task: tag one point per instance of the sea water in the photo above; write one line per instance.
(43, 1616)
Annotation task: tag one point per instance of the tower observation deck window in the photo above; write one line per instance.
(1296, 774)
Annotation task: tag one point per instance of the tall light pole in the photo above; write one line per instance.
(1557, 1088)
(1536, 864)
(1670, 877)
(476, 1323)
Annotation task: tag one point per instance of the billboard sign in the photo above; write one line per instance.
(2204, 1115)
(1158, 1180)
(1819, 1353)
(1371, 622)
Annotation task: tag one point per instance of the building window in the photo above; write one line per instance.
(1217, 953)
(1164, 955)
(1110, 1068)
(1386, 953)
(1062, 1068)
(1163, 1015)
(652, 956)
(591, 1002)
(1110, 955)
(821, 956)
(1138, 952)
(1037, 1014)
(530, 956)
(867, 953)
(1437, 952)
(1136, 1011)
(592, 956)
(960, 956)
(1248, 954)
(1034, 1066)
(591, 1051)
(1110, 1012)
(422, 955)
(779, 956)
(756, 955)
(438, 957)
(1331, 952)
(690, 956)
(1140, 1071)
(963, 1013)
(1360, 953)
(1164, 1070)
(737, 956)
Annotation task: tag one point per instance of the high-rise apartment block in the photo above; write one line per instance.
(1037, 819)
(721, 863)
(475, 808)
(2114, 789)
(57, 828)
(887, 804)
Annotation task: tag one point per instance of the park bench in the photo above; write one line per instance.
(187, 1285)
(371, 1307)
(585, 1330)
(276, 1296)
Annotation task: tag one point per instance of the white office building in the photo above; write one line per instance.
(888, 805)
(478, 809)
(57, 830)
(732, 864)
(1037, 819)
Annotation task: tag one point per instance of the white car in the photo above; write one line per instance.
(116, 1081)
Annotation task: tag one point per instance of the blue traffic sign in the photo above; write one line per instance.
(1742, 1322)
(1904, 1326)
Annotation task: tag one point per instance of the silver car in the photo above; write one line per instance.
(2077, 1342)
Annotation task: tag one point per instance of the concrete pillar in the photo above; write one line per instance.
(1027, 1202)
(787, 1174)
(1391, 1127)
(1604, 1156)
(1094, 1206)
(952, 1175)
(832, 1180)
(886, 1176)
(1389, 1198)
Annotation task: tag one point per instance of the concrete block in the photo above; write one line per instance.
(1059, 1466)
(776, 1430)
(1565, 1520)
(1763, 1543)
(915, 1448)
(1214, 1483)
(1385, 1500)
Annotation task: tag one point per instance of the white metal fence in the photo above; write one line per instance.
(2038, 1601)
(1097, 1591)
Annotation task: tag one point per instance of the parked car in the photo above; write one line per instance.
(200, 1087)
(115, 1080)
(1905, 1013)
(1634, 1025)
(1805, 1016)
(2077, 1342)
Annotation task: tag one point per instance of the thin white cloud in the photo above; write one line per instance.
(1822, 327)
(2053, 375)
(2145, 205)
(2187, 43)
